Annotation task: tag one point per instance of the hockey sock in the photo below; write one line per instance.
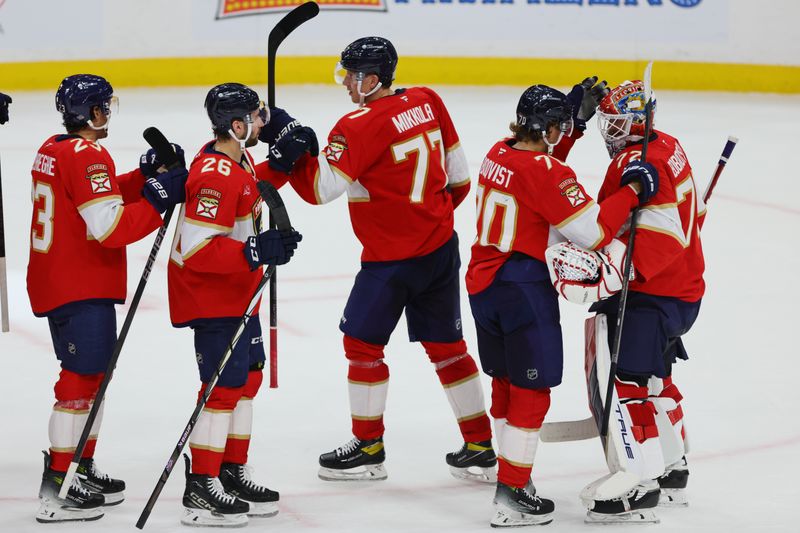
(74, 395)
(499, 408)
(526, 411)
(367, 385)
(669, 418)
(238, 442)
(208, 438)
(460, 378)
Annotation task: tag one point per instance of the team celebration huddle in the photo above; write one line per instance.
(632, 257)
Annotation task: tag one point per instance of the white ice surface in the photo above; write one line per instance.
(739, 386)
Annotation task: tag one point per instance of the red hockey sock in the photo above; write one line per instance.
(210, 433)
(74, 395)
(526, 411)
(368, 384)
(241, 426)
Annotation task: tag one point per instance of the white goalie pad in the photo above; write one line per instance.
(639, 461)
(584, 276)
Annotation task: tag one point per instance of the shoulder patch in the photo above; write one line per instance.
(208, 203)
(98, 177)
(334, 150)
(573, 193)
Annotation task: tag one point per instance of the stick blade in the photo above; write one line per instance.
(648, 81)
(290, 22)
(569, 430)
(159, 143)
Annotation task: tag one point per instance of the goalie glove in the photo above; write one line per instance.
(583, 276)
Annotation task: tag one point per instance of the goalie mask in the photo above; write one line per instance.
(540, 107)
(621, 116)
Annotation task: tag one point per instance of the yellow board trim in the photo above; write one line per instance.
(208, 71)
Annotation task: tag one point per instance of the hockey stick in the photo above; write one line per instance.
(612, 371)
(275, 204)
(570, 430)
(167, 155)
(3, 276)
(285, 26)
(723, 160)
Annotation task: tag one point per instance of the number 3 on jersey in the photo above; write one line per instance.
(423, 145)
(489, 206)
(42, 240)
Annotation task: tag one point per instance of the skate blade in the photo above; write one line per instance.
(262, 509)
(508, 518)
(206, 518)
(642, 516)
(673, 498)
(479, 474)
(113, 499)
(48, 513)
(359, 473)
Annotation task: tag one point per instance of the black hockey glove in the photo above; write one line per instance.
(4, 101)
(291, 147)
(584, 98)
(165, 189)
(271, 247)
(280, 122)
(149, 162)
(645, 175)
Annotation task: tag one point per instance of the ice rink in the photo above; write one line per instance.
(740, 385)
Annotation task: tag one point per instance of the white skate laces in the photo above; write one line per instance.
(246, 477)
(218, 491)
(347, 448)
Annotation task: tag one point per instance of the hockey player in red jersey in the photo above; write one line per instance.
(84, 214)
(646, 425)
(215, 266)
(399, 160)
(527, 199)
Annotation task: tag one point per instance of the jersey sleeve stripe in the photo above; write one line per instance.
(329, 182)
(456, 166)
(195, 235)
(583, 228)
(102, 215)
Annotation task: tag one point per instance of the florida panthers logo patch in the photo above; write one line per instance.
(101, 182)
(574, 195)
(334, 151)
(207, 207)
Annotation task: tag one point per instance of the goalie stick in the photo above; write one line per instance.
(167, 155)
(571, 430)
(289, 23)
(275, 204)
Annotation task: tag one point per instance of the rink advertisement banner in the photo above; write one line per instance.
(698, 44)
(237, 8)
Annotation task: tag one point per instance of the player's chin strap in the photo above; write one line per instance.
(243, 141)
(99, 128)
(550, 146)
(362, 96)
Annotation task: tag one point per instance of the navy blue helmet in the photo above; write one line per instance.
(78, 94)
(228, 102)
(371, 55)
(541, 106)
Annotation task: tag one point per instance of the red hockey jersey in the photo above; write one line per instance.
(400, 162)
(529, 200)
(668, 254)
(83, 216)
(208, 274)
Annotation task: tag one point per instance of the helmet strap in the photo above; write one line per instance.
(550, 147)
(363, 96)
(243, 140)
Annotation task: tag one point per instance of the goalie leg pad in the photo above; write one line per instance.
(368, 386)
(460, 379)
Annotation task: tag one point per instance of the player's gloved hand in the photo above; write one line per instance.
(280, 122)
(165, 189)
(584, 98)
(4, 101)
(149, 162)
(271, 247)
(289, 148)
(643, 174)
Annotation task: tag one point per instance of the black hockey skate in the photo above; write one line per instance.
(636, 506)
(355, 461)
(206, 503)
(475, 461)
(113, 490)
(515, 507)
(79, 505)
(236, 480)
(673, 485)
